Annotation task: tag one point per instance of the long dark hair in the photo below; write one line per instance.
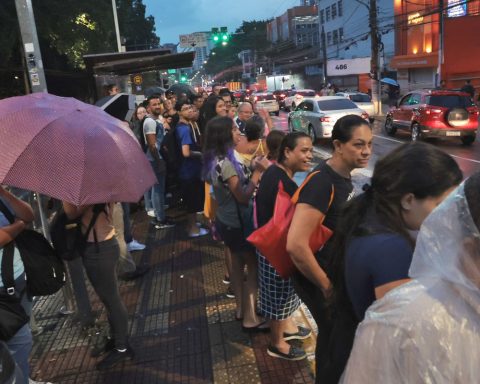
(208, 111)
(472, 194)
(289, 141)
(273, 141)
(218, 143)
(417, 168)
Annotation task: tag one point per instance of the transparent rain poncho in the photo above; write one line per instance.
(428, 330)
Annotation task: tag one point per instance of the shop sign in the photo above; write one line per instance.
(457, 8)
(348, 67)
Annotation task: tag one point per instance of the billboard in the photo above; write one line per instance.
(348, 67)
(194, 40)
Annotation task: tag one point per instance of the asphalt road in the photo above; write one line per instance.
(468, 158)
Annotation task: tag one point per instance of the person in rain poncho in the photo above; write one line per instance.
(428, 330)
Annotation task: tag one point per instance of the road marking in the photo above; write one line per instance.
(389, 138)
(465, 158)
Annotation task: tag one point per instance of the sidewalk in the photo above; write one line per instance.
(182, 325)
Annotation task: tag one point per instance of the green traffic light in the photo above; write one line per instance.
(215, 38)
(224, 37)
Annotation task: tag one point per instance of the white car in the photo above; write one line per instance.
(317, 116)
(296, 97)
(267, 101)
(362, 100)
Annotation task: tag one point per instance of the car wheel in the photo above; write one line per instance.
(468, 140)
(389, 127)
(312, 134)
(415, 132)
(290, 126)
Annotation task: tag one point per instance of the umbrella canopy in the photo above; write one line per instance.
(121, 105)
(389, 81)
(70, 150)
(182, 88)
(156, 90)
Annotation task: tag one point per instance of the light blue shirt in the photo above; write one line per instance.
(18, 268)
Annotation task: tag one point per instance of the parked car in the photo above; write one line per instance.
(435, 113)
(266, 100)
(362, 100)
(280, 95)
(296, 97)
(317, 116)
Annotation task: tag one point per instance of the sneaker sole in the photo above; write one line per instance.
(273, 354)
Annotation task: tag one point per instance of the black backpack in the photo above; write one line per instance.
(143, 142)
(67, 237)
(44, 269)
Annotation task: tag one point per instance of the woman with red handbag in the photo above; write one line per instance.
(278, 300)
(352, 147)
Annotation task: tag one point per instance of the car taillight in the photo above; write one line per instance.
(364, 115)
(256, 98)
(326, 119)
(282, 95)
(432, 111)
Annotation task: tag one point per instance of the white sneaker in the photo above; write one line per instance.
(151, 213)
(134, 245)
(30, 381)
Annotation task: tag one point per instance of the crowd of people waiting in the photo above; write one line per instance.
(413, 288)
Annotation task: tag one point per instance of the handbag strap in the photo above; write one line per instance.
(7, 268)
(307, 179)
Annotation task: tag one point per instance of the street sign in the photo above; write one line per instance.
(197, 40)
(348, 67)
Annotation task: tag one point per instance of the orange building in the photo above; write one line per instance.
(417, 41)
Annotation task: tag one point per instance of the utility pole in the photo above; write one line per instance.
(38, 83)
(33, 57)
(117, 30)
(440, 44)
(375, 58)
(324, 55)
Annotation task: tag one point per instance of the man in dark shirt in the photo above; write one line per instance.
(468, 88)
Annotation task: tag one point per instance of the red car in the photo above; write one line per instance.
(435, 113)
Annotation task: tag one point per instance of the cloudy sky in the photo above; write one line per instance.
(178, 17)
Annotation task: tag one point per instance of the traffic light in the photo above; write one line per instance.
(220, 35)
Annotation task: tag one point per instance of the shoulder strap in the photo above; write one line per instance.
(7, 268)
(8, 214)
(297, 192)
(97, 209)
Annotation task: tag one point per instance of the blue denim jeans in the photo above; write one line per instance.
(158, 193)
(20, 345)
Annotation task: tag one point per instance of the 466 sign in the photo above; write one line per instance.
(341, 67)
(348, 66)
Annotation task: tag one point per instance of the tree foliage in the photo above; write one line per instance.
(250, 35)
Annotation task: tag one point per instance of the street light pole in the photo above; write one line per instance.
(374, 61)
(117, 29)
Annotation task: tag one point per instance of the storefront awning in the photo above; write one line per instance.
(125, 63)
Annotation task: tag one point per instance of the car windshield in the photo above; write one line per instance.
(306, 93)
(265, 97)
(358, 98)
(449, 101)
(335, 104)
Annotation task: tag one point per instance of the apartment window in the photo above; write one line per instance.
(340, 35)
(334, 11)
(335, 37)
(327, 14)
(340, 8)
(329, 38)
(322, 16)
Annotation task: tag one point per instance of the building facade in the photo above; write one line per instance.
(418, 60)
(346, 34)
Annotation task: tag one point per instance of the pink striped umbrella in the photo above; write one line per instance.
(70, 150)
